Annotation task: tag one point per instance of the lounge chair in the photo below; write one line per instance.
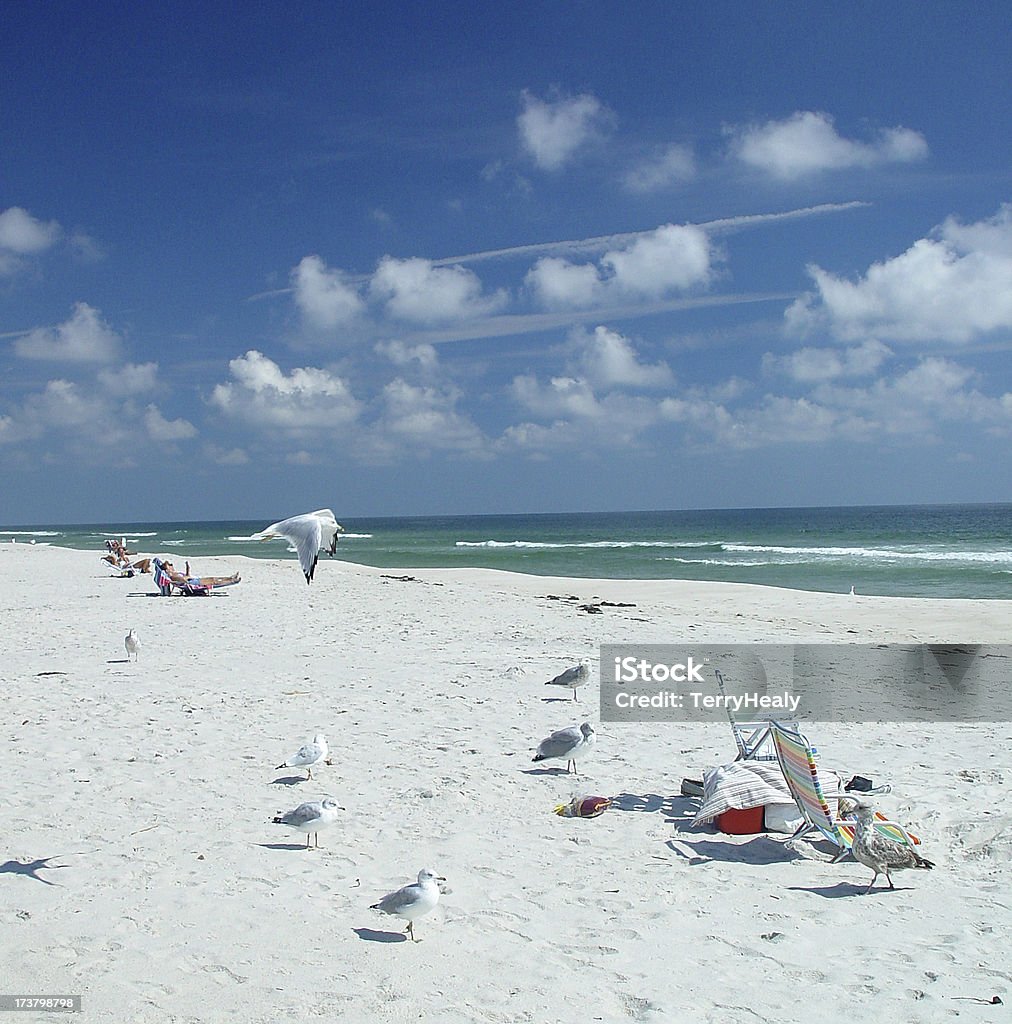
(798, 762)
(752, 738)
(187, 587)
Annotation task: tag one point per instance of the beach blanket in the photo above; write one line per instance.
(744, 784)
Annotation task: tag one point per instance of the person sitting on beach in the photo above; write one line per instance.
(197, 581)
(117, 558)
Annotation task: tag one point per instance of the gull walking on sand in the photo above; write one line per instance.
(309, 533)
(133, 645)
(310, 817)
(572, 677)
(412, 901)
(307, 755)
(572, 744)
(875, 851)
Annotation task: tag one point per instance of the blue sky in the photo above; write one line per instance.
(450, 258)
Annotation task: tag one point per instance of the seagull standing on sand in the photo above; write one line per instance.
(412, 901)
(573, 744)
(307, 755)
(133, 645)
(573, 677)
(310, 534)
(310, 817)
(882, 855)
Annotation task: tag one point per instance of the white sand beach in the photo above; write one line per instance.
(142, 870)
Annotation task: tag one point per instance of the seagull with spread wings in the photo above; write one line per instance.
(310, 534)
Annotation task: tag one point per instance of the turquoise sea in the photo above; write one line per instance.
(911, 551)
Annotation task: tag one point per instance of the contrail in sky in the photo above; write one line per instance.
(602, 242)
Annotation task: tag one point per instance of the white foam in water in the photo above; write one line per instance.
(545, 544)
(734, 563)
(995, 557)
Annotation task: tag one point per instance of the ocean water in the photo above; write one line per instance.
(909, 551)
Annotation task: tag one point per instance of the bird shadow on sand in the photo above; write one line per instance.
(119, 661)
(284, 846)
(31, 868)
(758, 851)
(289, 780)
(844, 889)
(558, 700)
(644, 802)
(372, 935)
(549, 771)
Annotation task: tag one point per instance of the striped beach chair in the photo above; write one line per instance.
(752, 739)
(166, 584)
(797, 759)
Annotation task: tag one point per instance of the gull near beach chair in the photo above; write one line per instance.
(753, 739)
(797, 759)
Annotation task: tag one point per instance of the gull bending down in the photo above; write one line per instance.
(572, 744)
(310, 534)
(307, 755)
(413, 900)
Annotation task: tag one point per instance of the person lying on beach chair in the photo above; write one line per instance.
(168, 577)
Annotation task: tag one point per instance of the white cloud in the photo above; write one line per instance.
(81, 339)
(653, 264)
(809, 365)
(675, 165)
(130, 379)
(807, 142)
(90, 423)
(424, 418)
(952, 287)
(24, 235)
(553, 131)
(413, 289)
(161, 429)
(613, 420)
(558, 284)
(226, 456)
(608, 360)
(308, 400)
(324, 296)
(423, 356)
(561, 396)
(675, 257)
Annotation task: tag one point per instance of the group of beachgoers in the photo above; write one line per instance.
(119, 558)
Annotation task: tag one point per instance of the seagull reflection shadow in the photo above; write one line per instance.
(31, 868)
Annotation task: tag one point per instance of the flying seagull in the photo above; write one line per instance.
(412, 901)
(572, 744)
(310, 817)
(573, 677)
(133, 645)
(874, 851)
(310, 533)
(308, 754)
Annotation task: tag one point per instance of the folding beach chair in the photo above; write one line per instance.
(188, 588)
(752, 738)
(797, 759)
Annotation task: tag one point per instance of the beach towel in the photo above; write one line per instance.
(744, 784)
